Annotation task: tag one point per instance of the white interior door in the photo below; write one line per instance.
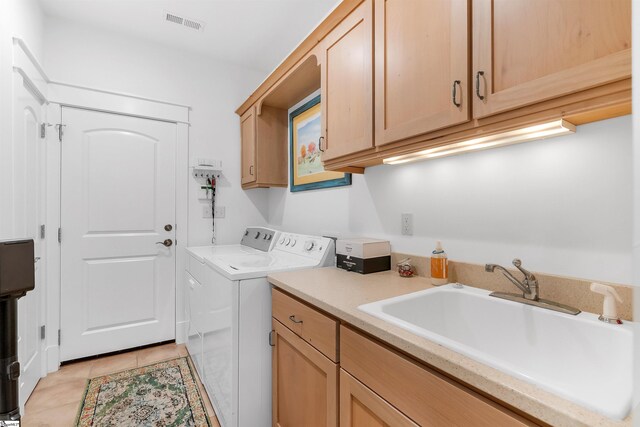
(28, 190)
(117, 202)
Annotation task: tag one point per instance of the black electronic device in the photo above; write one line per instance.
(17, 277)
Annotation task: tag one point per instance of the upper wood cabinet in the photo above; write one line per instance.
(421, 67)
(248, 146)
(264, 147)
(401, 76)
(347, 85)
(526, 51)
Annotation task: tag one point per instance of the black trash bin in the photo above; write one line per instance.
(17, 277)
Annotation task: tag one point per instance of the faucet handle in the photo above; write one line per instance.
(517, 263)
(609, 309)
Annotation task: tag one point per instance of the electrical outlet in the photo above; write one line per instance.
(220, 211)
(206, 211)
(407, 224)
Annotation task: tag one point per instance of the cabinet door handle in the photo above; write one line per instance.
(320, 143)
(293, 319)
(271, 343)
(454, 94)
(478, 75)
(166, 242)
(251, 170)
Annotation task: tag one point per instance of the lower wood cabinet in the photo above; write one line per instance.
(361, 407)
(422, 394)
(361, 382)
(305, 383)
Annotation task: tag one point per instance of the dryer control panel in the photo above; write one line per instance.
(260, 238)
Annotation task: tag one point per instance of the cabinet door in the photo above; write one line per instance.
(529, 51)
(248, 138)
(361, 407)
(305, 383)
(421, 77)
(347, 85)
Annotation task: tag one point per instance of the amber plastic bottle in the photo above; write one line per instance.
(439, 266)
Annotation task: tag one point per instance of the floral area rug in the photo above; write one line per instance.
(160, 395)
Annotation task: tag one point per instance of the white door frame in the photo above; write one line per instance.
(110, 102)
(27, 68)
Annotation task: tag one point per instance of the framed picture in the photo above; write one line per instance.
(306, 169)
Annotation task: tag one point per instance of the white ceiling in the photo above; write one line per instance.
(255, 33)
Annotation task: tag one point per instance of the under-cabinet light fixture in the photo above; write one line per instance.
(530, 133)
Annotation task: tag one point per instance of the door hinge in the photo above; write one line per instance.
(43, 332)
(271, 339)
(59, 339)
(59, 235)
(42, 231)
(59, 128)
(43, 129)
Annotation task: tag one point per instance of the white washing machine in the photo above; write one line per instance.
(230, 317)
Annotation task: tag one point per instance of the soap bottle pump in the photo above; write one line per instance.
(609, 309)
(439, 266)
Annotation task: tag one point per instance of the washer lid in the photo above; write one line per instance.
(256, 265)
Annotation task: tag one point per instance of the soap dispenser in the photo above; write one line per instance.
(439, 266)
(609, 309)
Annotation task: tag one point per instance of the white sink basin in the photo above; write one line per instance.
(578, 357)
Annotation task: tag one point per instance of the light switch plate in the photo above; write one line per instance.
(220, 211)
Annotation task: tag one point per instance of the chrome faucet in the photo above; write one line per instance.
(529, 287)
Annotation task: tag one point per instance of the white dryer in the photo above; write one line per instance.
(230, 317)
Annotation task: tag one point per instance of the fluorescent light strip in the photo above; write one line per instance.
(530, 133)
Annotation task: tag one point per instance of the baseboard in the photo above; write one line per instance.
(182, 329)
(52, 355)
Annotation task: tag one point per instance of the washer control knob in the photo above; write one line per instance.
(269, 236)
(293, 242)
(287, 241)
(246, 232)
(281, 241)
(309, 245)
(257, 235)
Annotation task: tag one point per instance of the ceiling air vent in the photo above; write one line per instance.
(185, 22)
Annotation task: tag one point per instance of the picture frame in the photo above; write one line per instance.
(306, 171)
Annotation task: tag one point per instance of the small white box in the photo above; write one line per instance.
(362, 247)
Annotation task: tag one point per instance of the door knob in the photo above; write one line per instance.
(167, 242)
(168, 227)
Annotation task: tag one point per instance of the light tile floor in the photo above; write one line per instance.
(56, 400)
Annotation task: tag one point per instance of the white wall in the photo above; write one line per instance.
(563, 205)
(20, 18)
(84, 56)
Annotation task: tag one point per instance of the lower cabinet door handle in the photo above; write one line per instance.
(293, 319)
